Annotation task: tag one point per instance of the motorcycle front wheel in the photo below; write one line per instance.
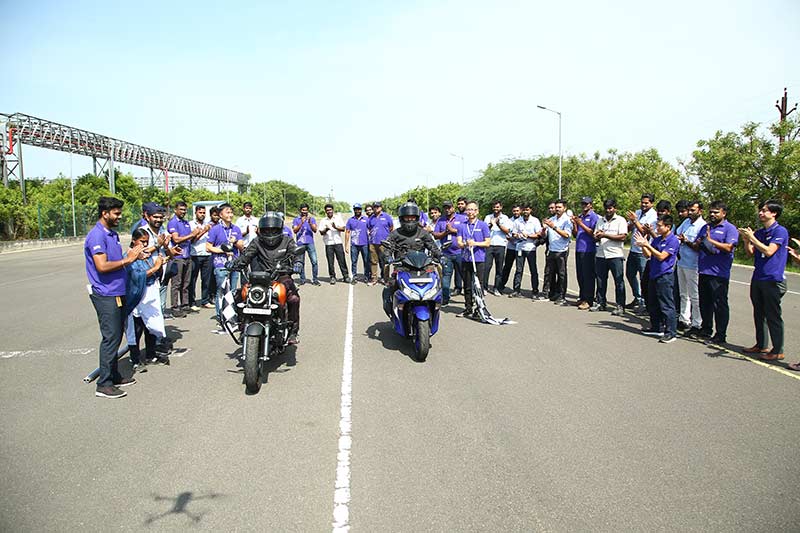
(422, 340)
(252, 364)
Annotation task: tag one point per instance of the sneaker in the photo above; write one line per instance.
(666, 339)
(496, 292)
(475, 315)
(619, 311)
(294, 339)
(597, 307)
(109, 392)
(652, 332)
(371, 283)
(682, 326)
(159, 361)
(583, 306)
(317, 283)
(561, 301)
(456, 292)
(718, 341)
(515, 294)
(632, 305)
(302, 282)
(692, 333)
(163, 348)
(542, 298)
(194, 309)
(177, 313)
(333, 281)
(139, 368)
(124, 382)
(466, 314)
(349, 280)
(209, 306)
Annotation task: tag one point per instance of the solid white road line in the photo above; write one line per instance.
(745, 283)
(341, 498)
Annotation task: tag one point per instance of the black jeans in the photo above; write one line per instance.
(337, 250)
(766, 298)
(509, 261)
(179, 289)
(713, 295)
(201, 267)
(149, 342)
(529, 257)
(495, 255)
(468, 274)
(661, 303)
(111, 317)
(584, 268)
(602, 266)
(557, 266)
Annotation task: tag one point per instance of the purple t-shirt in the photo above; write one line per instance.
(479, 232)
(219, 235)
(288, 232)
(584, 242)
(772, 268)
(670, 244)
(182, 228)
(359, 234)
(305, 235)
(103, 241)
(441, 225)
(712, 261)
(380, 226)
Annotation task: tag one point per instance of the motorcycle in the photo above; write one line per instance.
(264, 327)
(414, 305)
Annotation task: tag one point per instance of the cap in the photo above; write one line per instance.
(447, 203)
(377, 204)
(356, 206)
(151, 208)
(586, 200)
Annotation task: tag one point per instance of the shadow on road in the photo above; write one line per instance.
(385, 333)
(273, 365)
(179, 506)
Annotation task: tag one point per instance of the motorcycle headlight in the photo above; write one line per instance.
(257, 295)
(431, 293)
(410, 293)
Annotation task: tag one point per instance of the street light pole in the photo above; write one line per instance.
(559, 144)
(461, 157)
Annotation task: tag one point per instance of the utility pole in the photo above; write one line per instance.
(781, 105)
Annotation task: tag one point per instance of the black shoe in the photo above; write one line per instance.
(293, 339)
(124, 382)
(598, 307)
(163, 348)
(668, 338)
(333, 281)
(703, 334)
(632, 305)
(466, 314)
(351, 281)
(456, 292)
(476, 315)
(652, 332)
(159, 361)
(109, 392)
(692, 333)
(515, 294)
(177, 313)
(716, 341)
(619, 311)
(541, 298)
(561, 301)
(683, 327)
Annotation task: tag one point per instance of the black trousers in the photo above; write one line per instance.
(529, 257)
(509, 261)
(495, 255)
(468, 274)
(337, 250)
(713, 295)
(584, 268)
(201, 267)
(111, 318)
(557, 264)
(602, 267)
(179, 283)
(766, 298)
(149, 342)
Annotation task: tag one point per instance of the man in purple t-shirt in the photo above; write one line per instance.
(224, 242)
(380, 225)
(769, 245)
(182, 234)
(715, 244)
(446, 231)
(105, 269)
(356, 242)
(585, 250)
(663, 255)
(304, 227)
(473, 237)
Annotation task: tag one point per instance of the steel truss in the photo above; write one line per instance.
(18, 129)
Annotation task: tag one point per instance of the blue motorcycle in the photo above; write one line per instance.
(414, 305)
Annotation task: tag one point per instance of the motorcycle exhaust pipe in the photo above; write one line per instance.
(91, 376)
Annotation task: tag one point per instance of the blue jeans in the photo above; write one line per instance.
(449, 265)
(220, 273)
(635, 267)
(363, 251)
(602, 267)
(312, 255)
(661, 303)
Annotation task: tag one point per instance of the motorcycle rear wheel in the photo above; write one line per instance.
(252, 364)
(422, 341)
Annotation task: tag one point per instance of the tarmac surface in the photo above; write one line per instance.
(564, 421)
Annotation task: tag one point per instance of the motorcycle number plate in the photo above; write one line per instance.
(420, 280)
(256, 311)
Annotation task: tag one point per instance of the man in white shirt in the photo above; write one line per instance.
(201, 261)
(610, 234)
(248, 224)
(331, 228)
(687, 233)
(500, 227)
(641, 222)
(511, 249)
(527, 229)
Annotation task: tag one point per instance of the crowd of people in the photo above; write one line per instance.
(678, 267)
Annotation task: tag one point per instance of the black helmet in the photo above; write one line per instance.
(270, 229)
(409, 227)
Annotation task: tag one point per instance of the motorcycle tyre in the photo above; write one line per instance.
(422, 340)
(252, 364)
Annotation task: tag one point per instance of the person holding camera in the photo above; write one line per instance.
(224, 243)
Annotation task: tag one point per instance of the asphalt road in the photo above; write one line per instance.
(565, 421)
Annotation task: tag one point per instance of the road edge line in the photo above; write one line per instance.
(341, 497)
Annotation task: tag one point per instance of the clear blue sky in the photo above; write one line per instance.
(371, 97)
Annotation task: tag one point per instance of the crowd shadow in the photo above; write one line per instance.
(384, 333)
(179, 506)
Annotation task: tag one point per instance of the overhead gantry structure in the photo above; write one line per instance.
(18, 129)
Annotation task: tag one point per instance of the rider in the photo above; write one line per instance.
(263, 254)
(409, 237)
